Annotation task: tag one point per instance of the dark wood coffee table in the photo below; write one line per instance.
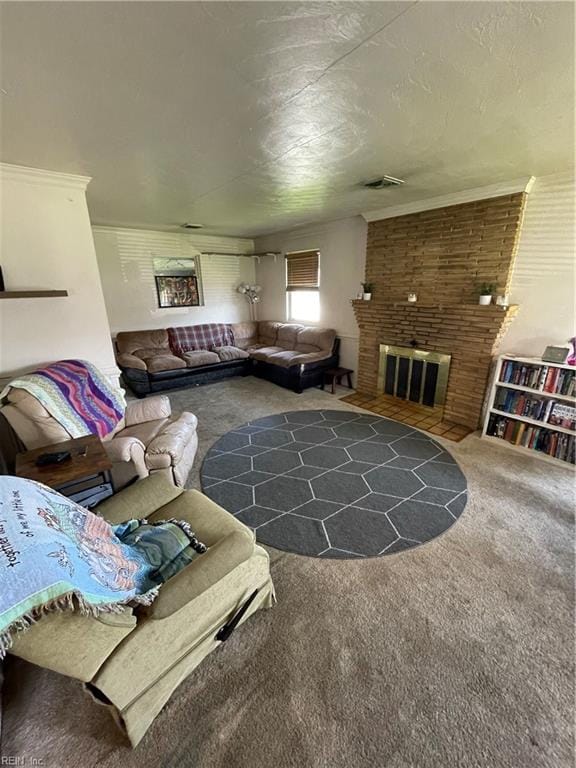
(85, 477)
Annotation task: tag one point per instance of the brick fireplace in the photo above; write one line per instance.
(441, 255)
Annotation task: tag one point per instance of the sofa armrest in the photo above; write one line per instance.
(152, 409)
(139, 500)
(126, 360)
(202, 573)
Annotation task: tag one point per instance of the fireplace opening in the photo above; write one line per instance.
(413, 374)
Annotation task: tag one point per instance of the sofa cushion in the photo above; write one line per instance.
(200, 357)
(284, 358)
(287, 335)
(268, 332)
(146, 431)
(245, 334)
(130, 341)
(315, 339)
(146, 352)
(263, 353)
(165, 362)
(292, 357)
(187, 338)
(230, 353)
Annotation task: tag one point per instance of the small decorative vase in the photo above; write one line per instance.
(503, 301)
(412, 298)
(571, 359)
(485, 300)
(366, 296)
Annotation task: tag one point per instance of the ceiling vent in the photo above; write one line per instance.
(383, 182)
(189, 225)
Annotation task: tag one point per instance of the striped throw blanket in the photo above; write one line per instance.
(187, 338)
(77, 395)
(56, 556)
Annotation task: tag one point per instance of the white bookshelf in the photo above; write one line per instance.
(493, 410)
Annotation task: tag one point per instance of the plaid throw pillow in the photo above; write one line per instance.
(187, 338)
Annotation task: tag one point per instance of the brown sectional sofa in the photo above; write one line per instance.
(290, 355)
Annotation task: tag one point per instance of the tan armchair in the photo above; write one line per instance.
(133, 661)
(148, 440)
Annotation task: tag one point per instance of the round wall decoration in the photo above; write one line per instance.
(338, 484)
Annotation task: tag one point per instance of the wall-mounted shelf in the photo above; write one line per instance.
(31, 294)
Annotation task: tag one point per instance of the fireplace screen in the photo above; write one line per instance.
(413, 374)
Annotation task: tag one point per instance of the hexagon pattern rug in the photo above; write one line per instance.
(335, 483)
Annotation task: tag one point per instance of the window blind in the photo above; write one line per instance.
(303, 271)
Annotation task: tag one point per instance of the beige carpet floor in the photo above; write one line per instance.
(457, 653)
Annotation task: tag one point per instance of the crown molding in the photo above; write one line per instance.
(38, 176)
(203, 243)
(466, 196)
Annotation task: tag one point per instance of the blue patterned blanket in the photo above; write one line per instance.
(56, 555)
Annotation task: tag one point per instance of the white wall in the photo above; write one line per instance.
(125, 261)
(46, 243)
(543, 282)
(342, 246)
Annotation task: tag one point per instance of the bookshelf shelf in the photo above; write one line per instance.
(533, 434)
(534, 422)
(541, 393)
(527, 451)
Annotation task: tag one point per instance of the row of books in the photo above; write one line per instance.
(557, 444)
(546, 378)
(534, 407)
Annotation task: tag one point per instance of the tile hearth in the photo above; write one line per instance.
(420, 416)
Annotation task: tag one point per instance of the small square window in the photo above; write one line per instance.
(303, 305)
(303, 286)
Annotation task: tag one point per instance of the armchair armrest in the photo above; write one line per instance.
(128, 449)
(124, 448)
(126, 360)
(202, 573)
(152, 409)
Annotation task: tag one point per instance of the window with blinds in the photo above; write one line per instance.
(302, 286)
(303, 271)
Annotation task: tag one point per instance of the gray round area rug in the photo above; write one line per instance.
(336, 484)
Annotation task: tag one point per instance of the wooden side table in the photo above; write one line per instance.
(85, 477)
(334, 376)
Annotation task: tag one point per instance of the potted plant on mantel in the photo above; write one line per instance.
(366, 291)
(486, 290)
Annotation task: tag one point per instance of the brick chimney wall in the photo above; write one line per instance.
(441, 255)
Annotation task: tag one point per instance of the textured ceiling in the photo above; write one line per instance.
(255, 117)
